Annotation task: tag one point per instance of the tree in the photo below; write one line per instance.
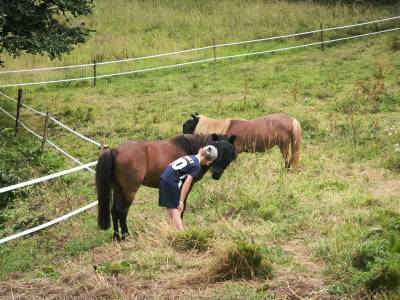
(42, 26)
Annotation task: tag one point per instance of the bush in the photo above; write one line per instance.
(367, 254)
(378, 259)
(385, 276)
(241, 260)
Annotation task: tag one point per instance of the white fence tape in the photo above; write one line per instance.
(46, 82)
(47, 68)
(204, 48)
(49, 142)
(45, 225)
(200, 61)
(75, 132)
(46, 178)
(242, 55)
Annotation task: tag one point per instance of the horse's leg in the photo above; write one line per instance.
(115, 218)
(123, 213)
(284, 147)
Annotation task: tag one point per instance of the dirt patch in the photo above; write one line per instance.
(305, 280)
(379, 184)
(385, 188)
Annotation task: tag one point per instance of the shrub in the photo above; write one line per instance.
(378, 259)
(241, 260)
(385, 276)
(367, 254)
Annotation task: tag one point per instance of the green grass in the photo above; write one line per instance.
(340, 204)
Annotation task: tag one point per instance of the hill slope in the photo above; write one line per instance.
(329, 229)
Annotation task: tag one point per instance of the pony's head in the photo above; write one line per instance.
(190, 125)
(226, 154)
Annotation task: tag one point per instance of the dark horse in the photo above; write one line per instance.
(254, 135)
(134, 163)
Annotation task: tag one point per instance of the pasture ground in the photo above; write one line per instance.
(327, 230)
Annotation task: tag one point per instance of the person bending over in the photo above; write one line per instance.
(177, 178)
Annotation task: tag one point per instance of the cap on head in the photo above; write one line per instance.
(210, 152)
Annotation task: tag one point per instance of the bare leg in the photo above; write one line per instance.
(176, 218)
(170, 217)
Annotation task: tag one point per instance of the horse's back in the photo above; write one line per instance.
(261, 133)
(142, 162)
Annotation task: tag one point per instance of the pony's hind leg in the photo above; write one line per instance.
(123, 213)
(115, 218)
(284, 147)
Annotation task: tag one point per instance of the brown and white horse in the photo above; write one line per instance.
(256, 135)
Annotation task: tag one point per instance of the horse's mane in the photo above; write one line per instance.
(191, 143)
(208, 126)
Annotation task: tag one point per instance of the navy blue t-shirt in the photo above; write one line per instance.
(177, 171)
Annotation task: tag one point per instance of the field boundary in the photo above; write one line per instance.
(214, 58)
(48, 177)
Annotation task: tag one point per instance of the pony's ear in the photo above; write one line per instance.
(215, 137)
(195, 116)
(232, 139)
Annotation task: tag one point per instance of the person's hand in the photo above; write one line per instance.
(181, 205)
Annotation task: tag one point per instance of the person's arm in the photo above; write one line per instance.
(184, 191)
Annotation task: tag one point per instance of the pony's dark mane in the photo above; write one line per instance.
(191, 143)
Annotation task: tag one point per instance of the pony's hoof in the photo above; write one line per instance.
(116, 237)
(125, 235)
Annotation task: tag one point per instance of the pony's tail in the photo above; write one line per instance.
(295, 143)
(104, 177)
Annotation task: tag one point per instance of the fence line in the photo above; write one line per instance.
(75, 132)
(55, 120)
(204, 48)
(201, 61)
(48, 141)
(46, 178)
(45, 225)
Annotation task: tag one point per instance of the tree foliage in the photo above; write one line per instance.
(42, 26)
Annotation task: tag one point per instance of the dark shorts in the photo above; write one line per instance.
(169, 195)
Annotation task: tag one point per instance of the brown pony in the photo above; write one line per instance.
(134, 163)
(254, 135)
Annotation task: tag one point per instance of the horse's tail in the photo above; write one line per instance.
(295, 143)
(104, 177)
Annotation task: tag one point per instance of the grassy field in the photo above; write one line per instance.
(329, 229)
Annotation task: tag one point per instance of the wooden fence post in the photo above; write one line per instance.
(214, 51)
(45, 130)
(322, 37)
(94, 72)
(19, 106)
